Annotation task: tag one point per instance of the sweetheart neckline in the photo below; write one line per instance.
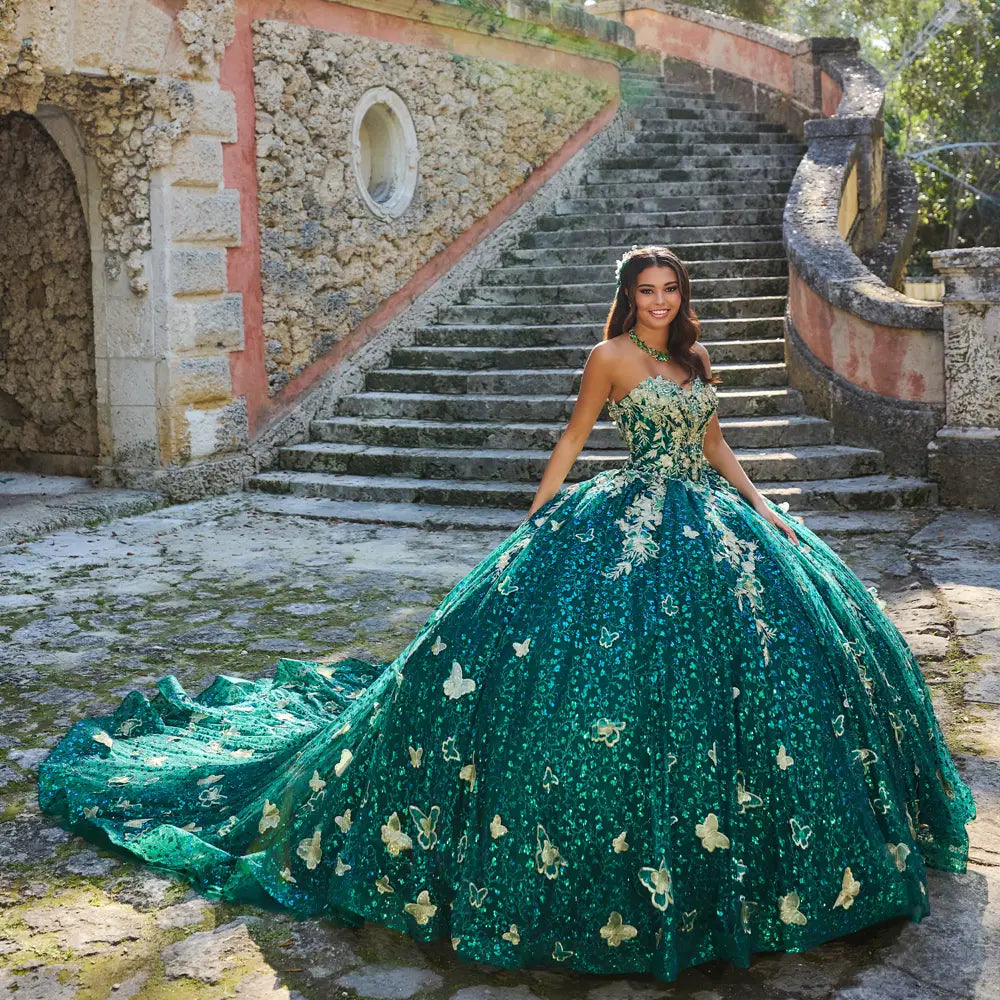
(618, 402)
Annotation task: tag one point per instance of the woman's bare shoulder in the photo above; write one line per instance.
(607, 357)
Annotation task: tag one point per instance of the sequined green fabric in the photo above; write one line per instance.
(646, 731)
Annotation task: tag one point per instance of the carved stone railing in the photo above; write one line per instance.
(864, 355)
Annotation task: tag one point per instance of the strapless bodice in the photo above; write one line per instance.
(663, 425)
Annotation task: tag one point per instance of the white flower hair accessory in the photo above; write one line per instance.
(620, 265)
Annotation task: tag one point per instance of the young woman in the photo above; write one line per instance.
(661, 723)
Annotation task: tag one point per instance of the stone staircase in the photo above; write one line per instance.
(458, 429)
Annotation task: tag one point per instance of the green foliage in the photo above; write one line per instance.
(761, 11)
(949, 93)
(951, 96)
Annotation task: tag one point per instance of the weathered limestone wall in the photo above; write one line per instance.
(217, 277)
(481, 126)
(128, 92)
(48, 418)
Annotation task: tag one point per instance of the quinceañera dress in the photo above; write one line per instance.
(646, 731)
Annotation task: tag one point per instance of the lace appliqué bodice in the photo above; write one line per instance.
(663, 426)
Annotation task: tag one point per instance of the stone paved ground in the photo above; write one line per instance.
(88, 614)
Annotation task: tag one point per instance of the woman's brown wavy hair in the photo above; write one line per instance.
(684, 328)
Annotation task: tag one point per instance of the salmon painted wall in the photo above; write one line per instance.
(831, 95)
(894, 362)
(249, 377)
(708, 46)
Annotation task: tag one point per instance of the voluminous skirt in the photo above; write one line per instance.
(646, 731)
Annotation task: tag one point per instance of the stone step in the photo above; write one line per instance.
(763, 216)
(522, 381)
(679, 150)
(680, 112)
(548, 334)
(657, 142)
(657, 172)
(481, 406)
(710, 133)
(670, 236)
(604, 291)
(457, 431)
(877, 492)
(712, 137)
(637, 202)
(732, 277)
(427, 517)
(827, 523)
(664, 95)
(657, 86)
(740, 432)
(706, 103)
(607, 255)
(575, 356)
(716, 165)
(625, 188)
(874, 492)
(582, 312)
(805, 462)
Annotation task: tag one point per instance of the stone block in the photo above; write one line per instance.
(205, 478)
(223, 429)
(965, 462)
(135, 435)
(105, 437)
(208, 956)
(197, 161)
(199, 325)
(101, 382)
(147, 33)
(50, 25)
(132, 381)
(196, 272)
(214, 111)
(200, 380)
(197, 217)
(97, 32)
(202, 427)
(128, 330)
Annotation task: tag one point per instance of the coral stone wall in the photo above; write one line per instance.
(327, 262)
(47, 384)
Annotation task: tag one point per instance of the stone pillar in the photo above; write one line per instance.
(964, 456)
(807, 69)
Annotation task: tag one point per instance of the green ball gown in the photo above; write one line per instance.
(645, 732)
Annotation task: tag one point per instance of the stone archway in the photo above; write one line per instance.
(132, 101)
(48, 391)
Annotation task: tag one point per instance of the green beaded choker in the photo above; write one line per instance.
(659, 355)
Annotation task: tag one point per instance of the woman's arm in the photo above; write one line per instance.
(594, 388)
(720, 456)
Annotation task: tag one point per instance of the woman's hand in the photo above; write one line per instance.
(530, 514)
(769, 514)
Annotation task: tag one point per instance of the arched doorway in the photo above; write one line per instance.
(48, 395)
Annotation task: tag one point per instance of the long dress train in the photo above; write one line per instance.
(646, 731)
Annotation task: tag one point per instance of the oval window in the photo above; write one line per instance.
(385, 152)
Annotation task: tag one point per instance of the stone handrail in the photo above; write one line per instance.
(864, 355)
(868, 357)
